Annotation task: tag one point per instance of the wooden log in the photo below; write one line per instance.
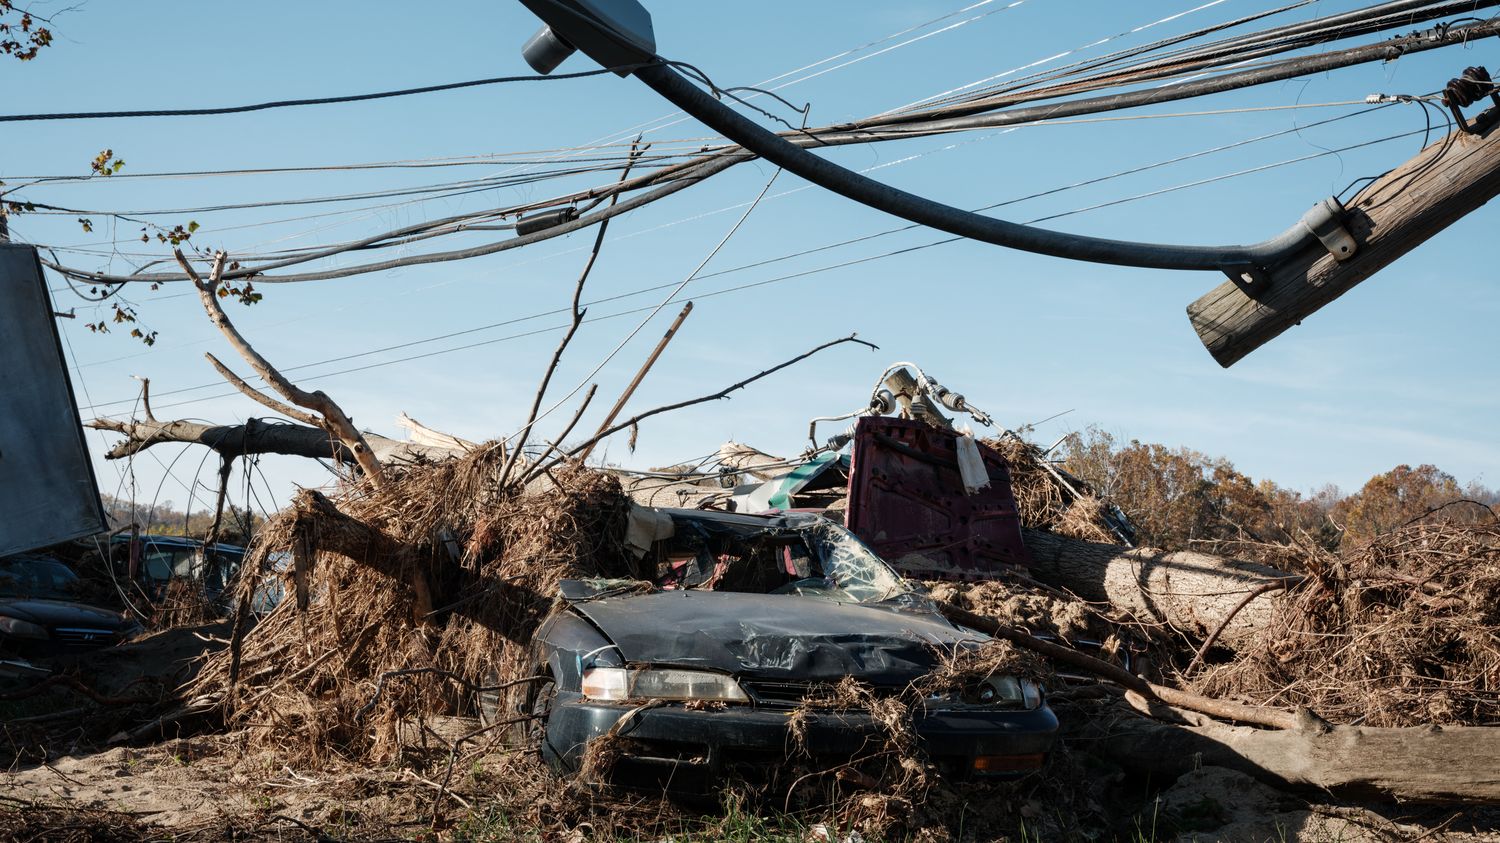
(228, 440)
(1395, 214)
(259, 437)
(1436, 764)
(1194, 592)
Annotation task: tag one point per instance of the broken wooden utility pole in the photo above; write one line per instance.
(1393, 215)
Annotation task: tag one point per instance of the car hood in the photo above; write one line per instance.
(782, 637)
(53, 613)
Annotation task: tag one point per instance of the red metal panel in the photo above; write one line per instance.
(907, 502)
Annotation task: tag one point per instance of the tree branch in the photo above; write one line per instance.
(562, 345)
(723, 393)
(540, 465)
(331, 417)
(260, 397)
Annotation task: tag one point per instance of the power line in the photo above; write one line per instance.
(263, 106)
(747, 286)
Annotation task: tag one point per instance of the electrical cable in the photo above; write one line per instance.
(826, 247)
(241, 109)
(723, 160)
(742, 287)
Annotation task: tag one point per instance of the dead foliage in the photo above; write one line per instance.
(338, 678)
(1400, 632)
(1047, 501)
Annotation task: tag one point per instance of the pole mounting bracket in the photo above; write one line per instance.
(1326, 222)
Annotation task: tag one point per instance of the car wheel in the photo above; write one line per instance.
(538, 706)
(534, 704)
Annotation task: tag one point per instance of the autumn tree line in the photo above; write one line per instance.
(1180, 498)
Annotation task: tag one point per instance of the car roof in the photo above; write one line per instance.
(177, 541)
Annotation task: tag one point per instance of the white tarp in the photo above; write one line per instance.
(47, 489)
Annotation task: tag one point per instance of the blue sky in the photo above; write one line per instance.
(1394, 372)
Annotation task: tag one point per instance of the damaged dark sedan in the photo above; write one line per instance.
(749, 617)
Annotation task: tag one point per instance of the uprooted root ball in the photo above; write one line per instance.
(1399, 632)
(441, 569)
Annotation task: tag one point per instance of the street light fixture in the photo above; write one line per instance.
(615, 34)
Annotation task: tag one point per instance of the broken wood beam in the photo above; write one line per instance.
(1396, 213)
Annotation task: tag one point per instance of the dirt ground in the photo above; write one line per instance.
(213, 787)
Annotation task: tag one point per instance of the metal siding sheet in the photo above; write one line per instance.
(47, 489)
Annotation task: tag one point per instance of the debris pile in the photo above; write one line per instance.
(1399, 632)
(415, 594)
(1048, 499)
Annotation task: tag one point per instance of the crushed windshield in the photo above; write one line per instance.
(803, 555)
(37, 579)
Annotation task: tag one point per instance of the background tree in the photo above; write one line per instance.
(1182, 498)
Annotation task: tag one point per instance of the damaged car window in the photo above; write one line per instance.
(798, 554)
(30, 578)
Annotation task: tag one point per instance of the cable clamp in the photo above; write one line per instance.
(1326, 222)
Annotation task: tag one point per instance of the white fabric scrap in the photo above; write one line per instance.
(971, 466)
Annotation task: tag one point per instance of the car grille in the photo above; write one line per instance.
(769, 694)
(80, 637)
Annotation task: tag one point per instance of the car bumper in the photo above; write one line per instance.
(676, 748)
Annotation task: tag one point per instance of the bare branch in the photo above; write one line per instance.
(540, 465)
(146, 398)
(260, 397)
(562, 345)
(723, 393)
(330, 416)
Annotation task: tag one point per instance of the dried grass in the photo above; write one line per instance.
(1044, 502)
(1400, 632)
(183, 604)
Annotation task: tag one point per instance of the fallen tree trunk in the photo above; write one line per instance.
(1441, 764)
(1194, 592)
(228, 440)
(260, 437)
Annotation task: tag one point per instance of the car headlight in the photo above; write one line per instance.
(996, 691)
(21, 629)
(615, 684)
(1009, 691)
